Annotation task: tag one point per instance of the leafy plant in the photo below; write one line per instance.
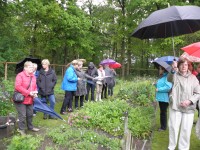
(140, 121)
(25, 143)
(106, 116)
(81, 138)
(6, 106)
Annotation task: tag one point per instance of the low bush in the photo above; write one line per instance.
(27, 142)
(81, 138)
(6, 105)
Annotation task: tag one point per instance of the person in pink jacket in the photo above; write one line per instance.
(25, 83)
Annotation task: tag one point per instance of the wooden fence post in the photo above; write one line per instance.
(6, 70)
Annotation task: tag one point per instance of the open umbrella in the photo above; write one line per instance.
(41, 107)
(115, 65)
(190, 58)
(20, 65)
(167, 59)
(169, 22)
(193, 49)
(107, 61)
(163, 64)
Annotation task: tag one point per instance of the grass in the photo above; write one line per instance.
(160, 139)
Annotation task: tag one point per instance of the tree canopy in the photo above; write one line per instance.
(62, 31)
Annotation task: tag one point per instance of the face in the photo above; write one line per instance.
(76, 66)
(101, 68)
(183, 68)
(45, 66)
(198, 68)
(161, 70)
(80, 65)
(29, 69)
(190, 67)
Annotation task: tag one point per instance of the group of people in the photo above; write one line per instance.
(76, 83)
(79, 84)
(179, 89)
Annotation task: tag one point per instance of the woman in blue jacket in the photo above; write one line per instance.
(69, 85)
(163, 88)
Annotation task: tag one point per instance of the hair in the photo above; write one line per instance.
(27, 63)
(35, 65)
(163, 68)
(74, 62)
(100, 65)
(181, 61)
(80, 62)
(46, 62)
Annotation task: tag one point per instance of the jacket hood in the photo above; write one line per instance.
(91, 65)
(186, 75)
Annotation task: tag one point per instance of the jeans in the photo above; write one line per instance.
(110, 91)
(51, 99)
(92, 87)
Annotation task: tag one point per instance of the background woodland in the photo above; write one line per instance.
(62, 31)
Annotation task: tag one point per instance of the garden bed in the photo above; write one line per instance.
(98, 125)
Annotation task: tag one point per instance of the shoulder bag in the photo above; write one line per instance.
(18, 97)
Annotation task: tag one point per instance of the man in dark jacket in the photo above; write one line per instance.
(46, 82)
(92, 72)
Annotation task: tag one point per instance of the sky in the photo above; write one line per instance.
(95, 2)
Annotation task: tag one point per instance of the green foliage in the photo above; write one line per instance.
(25, 142)
(6, 105)
(140, 121)
(139, 92)
(106, 116)
(81, 138)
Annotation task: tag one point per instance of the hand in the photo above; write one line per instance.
(33, 93)
(156, 90)
(185, 103)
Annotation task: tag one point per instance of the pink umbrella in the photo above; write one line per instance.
(115, 65)
(190, 58)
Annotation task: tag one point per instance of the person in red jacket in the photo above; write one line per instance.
(25, 83)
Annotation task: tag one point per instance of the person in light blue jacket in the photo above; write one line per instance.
(163, 88)
(69, 85)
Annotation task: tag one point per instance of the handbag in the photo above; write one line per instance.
(18, 97)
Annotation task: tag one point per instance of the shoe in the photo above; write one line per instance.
(45, 116)
(22, 132)
(70, 110)
(63, 113)
(161, 130)
(52, 117)
(34, 115)
(35, 129)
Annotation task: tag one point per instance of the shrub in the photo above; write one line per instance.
(25, 143)
(6, 105)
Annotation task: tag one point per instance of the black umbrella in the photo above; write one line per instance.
(169, 22)
(20, 65)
